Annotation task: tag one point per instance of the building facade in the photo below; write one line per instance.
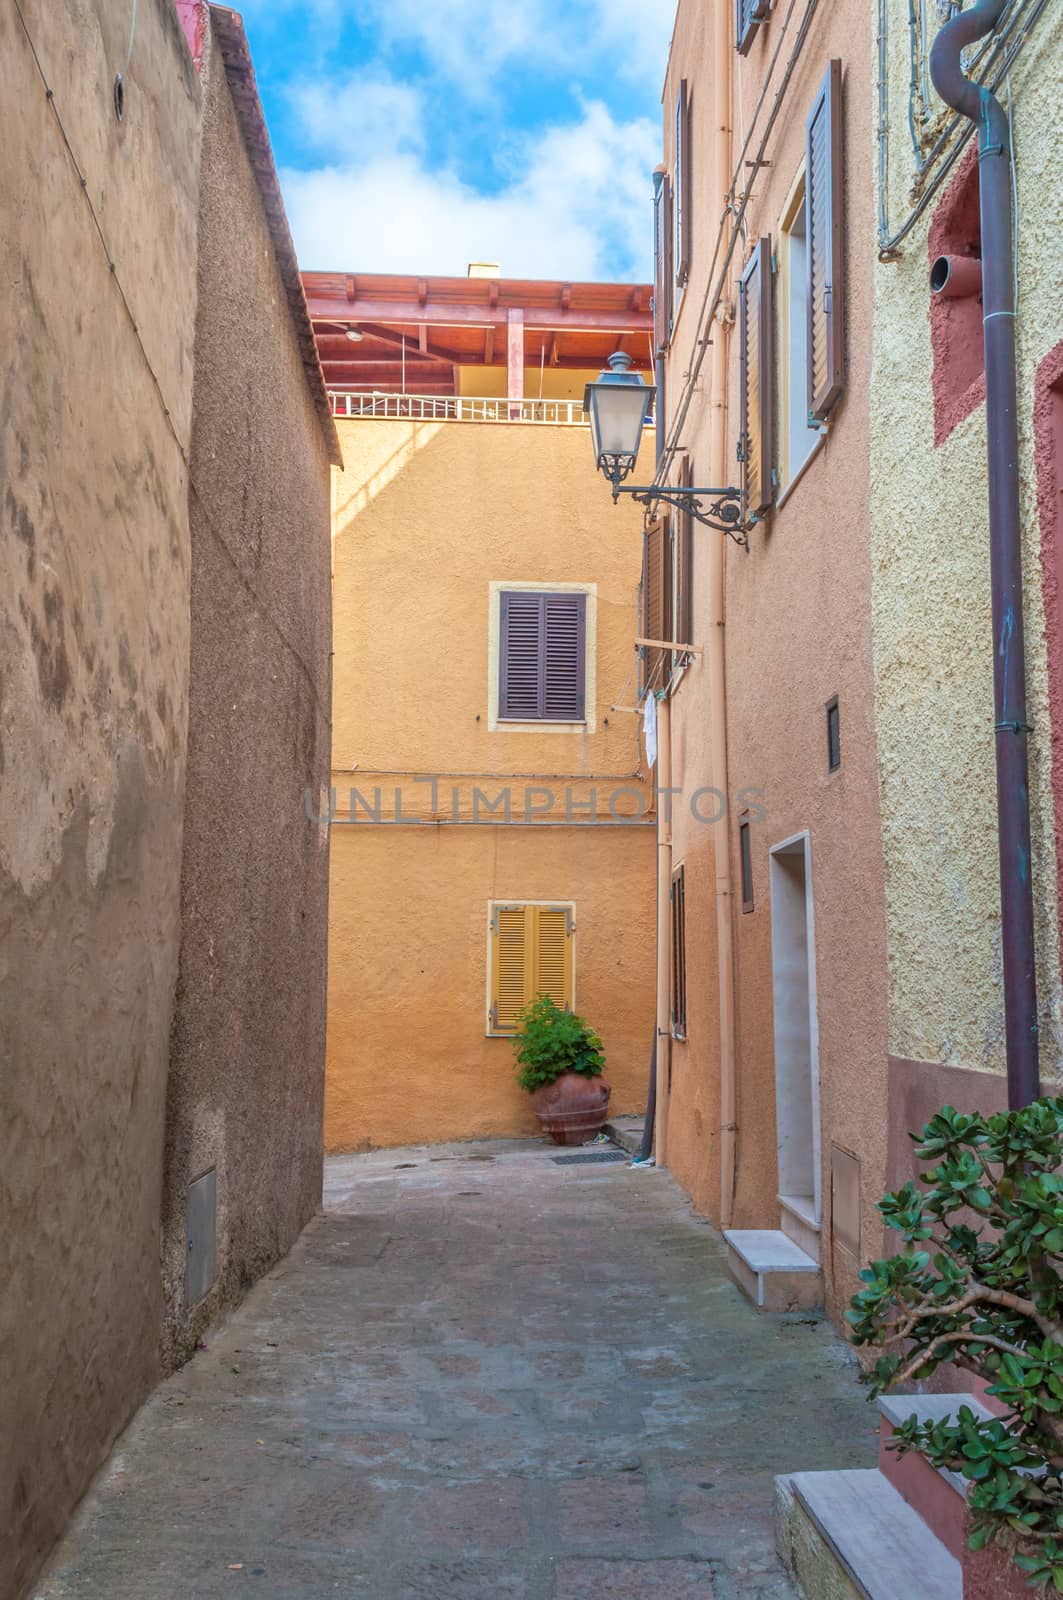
(492, 833)
(164, 662)
(835, 973)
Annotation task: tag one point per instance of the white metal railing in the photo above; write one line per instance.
(458, 408)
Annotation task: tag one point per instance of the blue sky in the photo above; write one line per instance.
(419, 135)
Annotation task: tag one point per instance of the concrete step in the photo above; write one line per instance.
(626, 1132)
(851, 1536)
(939, 1496)
(797, 1219)
(775, 1273)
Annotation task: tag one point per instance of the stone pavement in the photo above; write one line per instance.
(480, 1375)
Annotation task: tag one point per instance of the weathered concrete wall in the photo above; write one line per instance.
(931, 614)
(427, 517)
(247, 1067)
(798, 631)
(94, 572)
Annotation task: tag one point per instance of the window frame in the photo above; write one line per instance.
(834, 734)
(787, 329)
(678, 979)
(745, 863)
(491, 1029)
(496, 722)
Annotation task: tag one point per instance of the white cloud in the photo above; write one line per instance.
(577, 205)
(367, 111)
(470, 40)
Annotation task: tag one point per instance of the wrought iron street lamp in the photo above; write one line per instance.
(617, 407)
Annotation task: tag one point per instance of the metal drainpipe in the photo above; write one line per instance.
(1009, 656)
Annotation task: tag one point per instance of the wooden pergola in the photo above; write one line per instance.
(417, 332)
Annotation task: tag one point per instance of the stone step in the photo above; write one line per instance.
(626, 1132)
(797, 1219)
(939, 1496)
(773, 1271)
(851, 1536)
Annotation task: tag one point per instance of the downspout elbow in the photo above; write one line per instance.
(946, 64)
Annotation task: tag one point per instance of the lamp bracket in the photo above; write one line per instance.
(723, 510)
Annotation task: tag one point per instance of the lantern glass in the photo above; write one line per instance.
(617, 406)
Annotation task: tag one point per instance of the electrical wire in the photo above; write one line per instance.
(1008, 38)
(735, 209)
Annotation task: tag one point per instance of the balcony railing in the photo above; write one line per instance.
(458, 408)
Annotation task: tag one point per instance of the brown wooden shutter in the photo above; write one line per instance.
(683, 144)
(542, 657)
(564, 651)
(656, 602)
(749, 13)
(684, 565)
(663, 298)
(756, 378)
(825, 258)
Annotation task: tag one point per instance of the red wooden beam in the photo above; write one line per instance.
(445, 314)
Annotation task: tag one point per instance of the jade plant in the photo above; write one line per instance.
(979, 1283)
(550, 1041)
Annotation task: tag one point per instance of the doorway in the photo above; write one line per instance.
(793, 968)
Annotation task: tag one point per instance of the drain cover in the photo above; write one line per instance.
(598, 1157)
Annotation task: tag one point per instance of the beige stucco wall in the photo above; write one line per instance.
(547, 383)
(94, 635)
(931, 616)
(427, 517)
(247, 1060)
(798, 631)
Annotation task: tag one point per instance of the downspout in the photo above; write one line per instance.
(719, 472)
(1009, 656)
(664, 926)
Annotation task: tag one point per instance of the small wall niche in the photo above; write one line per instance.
(956, 302)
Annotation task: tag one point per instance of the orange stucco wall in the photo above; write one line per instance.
(427, 517)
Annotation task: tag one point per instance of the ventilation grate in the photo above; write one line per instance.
(596, 1157)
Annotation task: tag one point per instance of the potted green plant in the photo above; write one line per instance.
(560, 1063)
(980, 1284)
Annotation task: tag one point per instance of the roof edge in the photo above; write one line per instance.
(228, 29)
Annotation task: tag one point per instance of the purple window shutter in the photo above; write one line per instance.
(520, 656)
(565, 632)
(542, 657)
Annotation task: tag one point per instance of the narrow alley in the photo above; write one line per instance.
(490, 1371)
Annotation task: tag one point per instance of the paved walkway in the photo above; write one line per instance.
(480, 1376)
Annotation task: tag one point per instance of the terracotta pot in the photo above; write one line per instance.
(992, 1575)
(573, 1108)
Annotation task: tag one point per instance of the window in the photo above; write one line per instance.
(797, 436)
(542, 656)
(745, 853)
(750, 13)
(531, 952)
(756, 379)
(825, 264)
(834, 744)
(683, 146)
(679, 954)
(655, 611)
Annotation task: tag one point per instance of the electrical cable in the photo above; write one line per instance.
(736, 209)
(1009, 37)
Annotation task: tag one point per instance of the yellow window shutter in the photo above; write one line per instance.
(552, 964)
(510, 954)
